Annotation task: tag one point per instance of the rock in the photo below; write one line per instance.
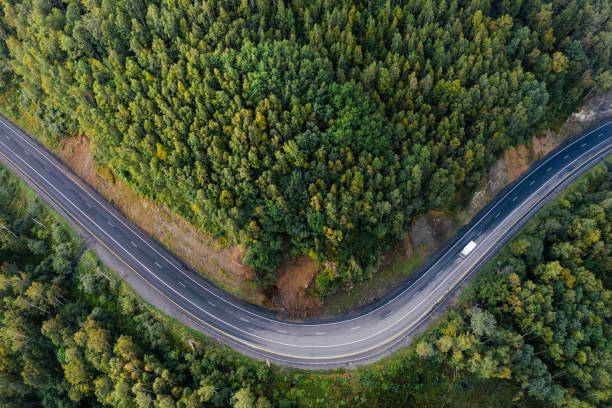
(422, 236)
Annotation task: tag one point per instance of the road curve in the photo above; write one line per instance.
(363, 336)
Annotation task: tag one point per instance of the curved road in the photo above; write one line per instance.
(363, 337)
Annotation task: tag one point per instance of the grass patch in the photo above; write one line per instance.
(381, 283)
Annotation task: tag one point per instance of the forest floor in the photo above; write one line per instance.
(294, 294)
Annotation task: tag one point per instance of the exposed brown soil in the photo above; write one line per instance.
(220, 264)
(294, 276)
(430, 232)
(517, 161)
(545, 143)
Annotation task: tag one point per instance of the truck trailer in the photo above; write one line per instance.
(467, 249)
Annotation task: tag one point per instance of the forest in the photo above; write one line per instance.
(533, 330)
(306, 126)
(540, 312)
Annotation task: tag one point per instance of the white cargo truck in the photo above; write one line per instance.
(467, 249)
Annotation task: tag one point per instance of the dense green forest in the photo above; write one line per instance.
(534, 329)
(314, 126)
(541, 311)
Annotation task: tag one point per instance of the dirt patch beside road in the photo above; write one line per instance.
(295, 276)
(517, 162)
(431, 231)
(545, 143)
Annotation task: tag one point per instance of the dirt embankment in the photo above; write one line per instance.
(515, 162)
(220, 264)
(296, 275)
(429, 231)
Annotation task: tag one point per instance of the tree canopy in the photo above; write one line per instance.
(320, 126)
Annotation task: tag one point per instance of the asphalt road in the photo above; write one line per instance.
(363, 336)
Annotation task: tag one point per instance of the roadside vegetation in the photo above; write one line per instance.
(532, 330)
(313, 127)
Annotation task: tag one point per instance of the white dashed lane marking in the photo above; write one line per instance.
(133, 244)
(158, 265)
(182, 284)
